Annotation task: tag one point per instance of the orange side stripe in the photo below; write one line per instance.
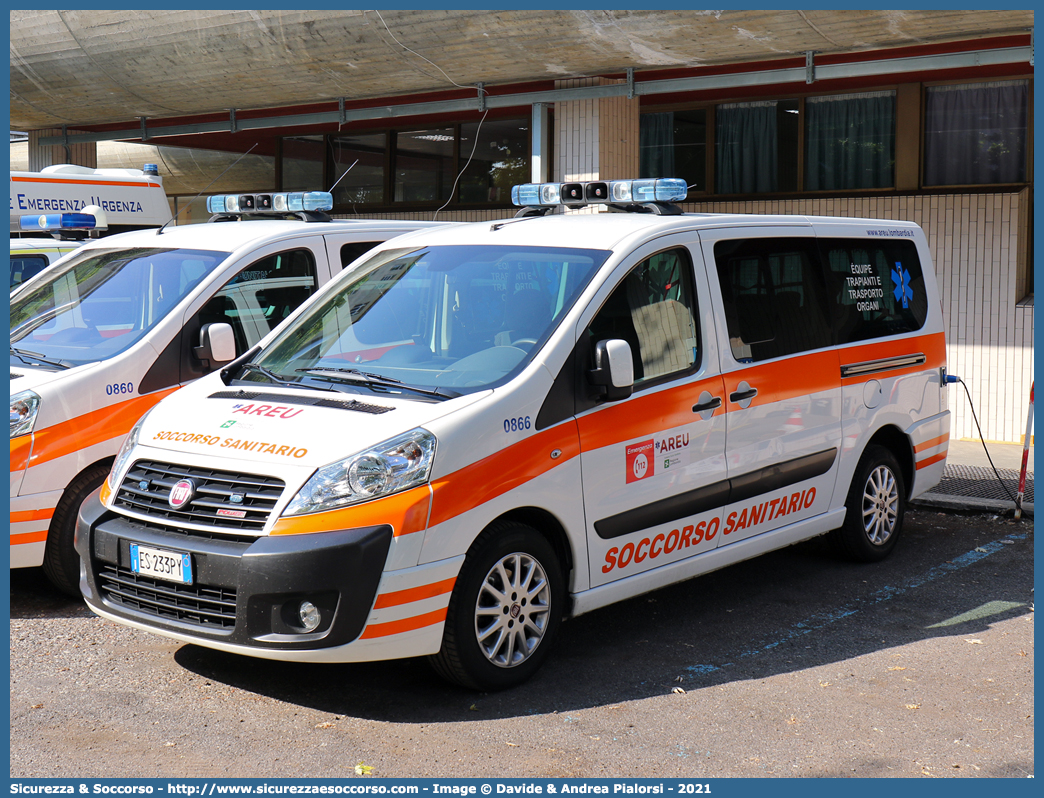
(501, 472)
(787, 378)
(647, 414)
(398, 597)
(69, 182)
(932, 443)
(933, 346)
(405, 625)
(29, 537)
(21, 447)
(32, 515)
(406, 512)
(98, 426)
(929, 461)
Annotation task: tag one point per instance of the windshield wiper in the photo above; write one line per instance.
(29, 358)
(279, 380)
(378, 381)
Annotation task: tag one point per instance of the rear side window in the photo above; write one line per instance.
(354, 250)
(876, 288)
(773, 293)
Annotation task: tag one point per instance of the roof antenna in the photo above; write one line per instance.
(200, 194)
(346, 171)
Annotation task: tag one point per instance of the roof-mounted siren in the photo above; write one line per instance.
(309, 206)
(90, 220)
(652, 195)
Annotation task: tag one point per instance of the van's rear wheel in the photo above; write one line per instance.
(505, 609)
(875, 507)
(61, 562)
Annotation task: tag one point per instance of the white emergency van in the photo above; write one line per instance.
(484, 429)
(54, 210)
(99, 338)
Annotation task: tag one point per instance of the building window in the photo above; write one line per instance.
(358, 163)
(850, 141)
(500, 160)
(674, 144)
(303, 159)
(756, 145)
(976, 133)
(424, 164)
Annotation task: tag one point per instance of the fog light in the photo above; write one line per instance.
(309, 615)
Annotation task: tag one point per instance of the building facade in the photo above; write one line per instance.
(938, 132)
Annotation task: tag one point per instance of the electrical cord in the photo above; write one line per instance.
(985, 449)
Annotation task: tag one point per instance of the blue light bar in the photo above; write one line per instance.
(282, 202)
(599, 192)
(58, 221)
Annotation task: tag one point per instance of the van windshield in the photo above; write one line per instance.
(450, 319)
(102, 301)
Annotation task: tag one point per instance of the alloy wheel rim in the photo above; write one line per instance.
(880, 505)
(512, 610)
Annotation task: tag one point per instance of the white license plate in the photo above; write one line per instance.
(161, 564)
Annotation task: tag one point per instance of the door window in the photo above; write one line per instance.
(654, 310)
(772, 290)
(262, 295)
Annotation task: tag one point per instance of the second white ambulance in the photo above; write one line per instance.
(99, 338)
(488, 428)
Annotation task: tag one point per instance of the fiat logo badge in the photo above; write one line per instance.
(181, 493)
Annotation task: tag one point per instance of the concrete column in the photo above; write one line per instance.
(596, 139)
(85, 154)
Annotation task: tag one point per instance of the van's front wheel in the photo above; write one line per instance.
(505, 609)
(875, 507)
(61, 562)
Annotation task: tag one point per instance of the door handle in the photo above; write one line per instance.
(742, 396)
(711, 404)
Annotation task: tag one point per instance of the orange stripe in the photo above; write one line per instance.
(933, 346)
(405, 625)
(929, 461)
(788, 378)
(32, 515)
(30, 537)
(70, 181)
(21, 447)
(397, 597)
(646, 414)
(406, 512)
(499, 473)
(933, 442)
(98, 426)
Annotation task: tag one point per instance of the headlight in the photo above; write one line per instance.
(125, 452)
(390, 467)
(24, 407)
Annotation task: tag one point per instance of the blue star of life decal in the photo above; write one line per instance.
(901, 278)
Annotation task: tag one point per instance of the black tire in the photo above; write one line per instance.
(876, 505)
(61, 562)
(513, 550)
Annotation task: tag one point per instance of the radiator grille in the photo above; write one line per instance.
(220, 499)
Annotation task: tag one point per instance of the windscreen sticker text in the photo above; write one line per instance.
(864, 287)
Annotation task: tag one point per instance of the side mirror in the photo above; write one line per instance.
(217, 344)
(614, 369)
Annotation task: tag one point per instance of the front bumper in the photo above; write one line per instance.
(245, 591)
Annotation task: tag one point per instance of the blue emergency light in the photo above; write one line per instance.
(282, 202)
(58, 221)
(600, 192)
